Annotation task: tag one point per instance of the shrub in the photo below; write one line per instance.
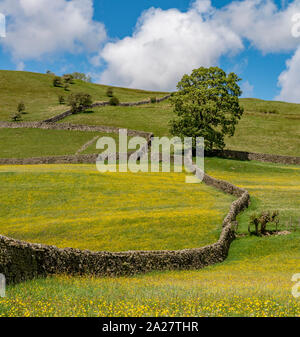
(61, 99)
(16, 117)
(49, 72)
(57, 82)
(21, 108)
(268, 111)
(82, 77)
(153, 99)
(260, 222)
(80, 102)
(68, 78)
(66, 87)
(110, 92)
(114, 101)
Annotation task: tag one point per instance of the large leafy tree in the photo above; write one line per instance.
(207, 105)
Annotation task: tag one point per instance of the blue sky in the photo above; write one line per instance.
(108, 45)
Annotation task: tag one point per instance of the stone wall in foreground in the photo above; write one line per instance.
(20, 261)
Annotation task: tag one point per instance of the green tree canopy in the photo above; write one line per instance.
(207, 105)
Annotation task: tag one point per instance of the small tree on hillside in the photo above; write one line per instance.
(57, 82)
(21, 108)
(16, 117)
(114, 101)
(207, 105)
(110, 92)
(82, 77)
(80, 102)
(61, 99)
(68, 78)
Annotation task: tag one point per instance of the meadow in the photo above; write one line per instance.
(76, 206)
(255, 280)
(25, 143)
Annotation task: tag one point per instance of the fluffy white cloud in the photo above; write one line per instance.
(289, 80)
(167, 44)
(39, 27)
(261, 22)
(164, 46)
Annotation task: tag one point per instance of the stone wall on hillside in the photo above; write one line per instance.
(263, 157)
(71, 127)
(65, 114)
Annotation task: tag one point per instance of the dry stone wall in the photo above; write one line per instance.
(97, 104)
(20, 261)
(263, 157)
(72, 127)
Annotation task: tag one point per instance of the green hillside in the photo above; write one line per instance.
(262, 122)
(266, 126)
(41, 97)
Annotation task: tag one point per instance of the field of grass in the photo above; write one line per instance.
(25, 143)
(151, 117)
(262, 120)
(255, 280)
(277, 132)
(76, 206)
(255, 132)
(41, 98)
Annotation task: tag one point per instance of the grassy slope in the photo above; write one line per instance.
(262, 132)
(255, 280)
(41, 98)
(150, 117)
(25, 143)
(76, 206)
(255, 132)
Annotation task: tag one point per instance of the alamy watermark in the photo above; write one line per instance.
(2, 25)
(156, 156)
(296, 287)
(2, 285)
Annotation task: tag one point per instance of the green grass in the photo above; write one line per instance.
(271, 186)
(25, 143)
(76, 206)
(255, 280)
(41, 98)
(150, 118)
(255, 132)
(275, 133)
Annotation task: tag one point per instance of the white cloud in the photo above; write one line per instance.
(164, 46)
(289, 80)
(167, 44)
(266, 26)
(247, 89)
(39, 27)
(202, 6)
